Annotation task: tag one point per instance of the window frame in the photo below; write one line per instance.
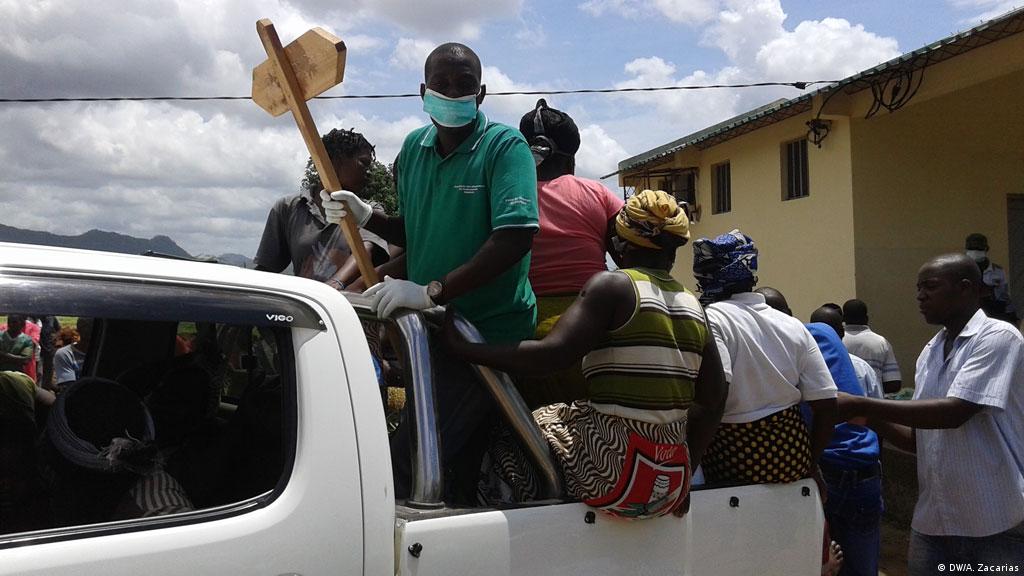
(721, 200)
(32, 291)
(791, 189)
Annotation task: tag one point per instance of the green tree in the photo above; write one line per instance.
(380, 187)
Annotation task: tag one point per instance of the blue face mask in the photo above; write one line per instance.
(450, 112)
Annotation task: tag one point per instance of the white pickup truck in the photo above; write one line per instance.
(292, 475)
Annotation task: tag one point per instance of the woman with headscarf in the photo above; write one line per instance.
(772, 363)
(654, 384)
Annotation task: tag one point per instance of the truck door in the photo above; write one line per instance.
(212, 455)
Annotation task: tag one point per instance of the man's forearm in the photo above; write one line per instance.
(526, 358)
(825, 418)
(701, 424)
(390, 228)
(502, 250)
(394, 268)
(941, 413)
(899, 436)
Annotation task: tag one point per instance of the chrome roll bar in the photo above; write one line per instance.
(517, 415)
(428, 472)
(413, 339)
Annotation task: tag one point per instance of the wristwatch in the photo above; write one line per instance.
(434, 290)
(336, 284)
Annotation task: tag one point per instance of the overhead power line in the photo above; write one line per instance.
(797, 85)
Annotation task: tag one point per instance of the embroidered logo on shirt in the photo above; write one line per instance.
(517, 201)
(469, 188)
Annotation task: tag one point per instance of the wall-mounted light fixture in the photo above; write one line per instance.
(817, 130)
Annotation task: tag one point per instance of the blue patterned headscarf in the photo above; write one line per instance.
(722, 264)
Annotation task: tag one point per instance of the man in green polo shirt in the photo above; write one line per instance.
(467, 198)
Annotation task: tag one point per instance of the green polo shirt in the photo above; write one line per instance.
(452, 205)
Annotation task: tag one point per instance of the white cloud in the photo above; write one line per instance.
(687, 11)
(385, 135)
(507, 108)
(682, 110)
(410, 53)
(831, 49)
(683, 11)
(138, 169)
(363, 43)
(599, 153)
(985, 9)
(457, 18)
(759, 47)
(625, 8)
(745, 26)
(531, 35)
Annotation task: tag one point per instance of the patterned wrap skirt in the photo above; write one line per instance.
(775, 449)
(628, 468)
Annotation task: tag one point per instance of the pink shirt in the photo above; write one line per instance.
(570, 246)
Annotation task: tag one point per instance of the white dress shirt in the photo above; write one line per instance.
(867, 377)
(770, 359)
(873, 348)
(971, 478)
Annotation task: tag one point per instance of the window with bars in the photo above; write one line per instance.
(795, 181)
(721, 188)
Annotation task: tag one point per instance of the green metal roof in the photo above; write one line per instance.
(1006, 25)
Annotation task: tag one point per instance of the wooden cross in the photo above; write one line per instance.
(289, 76)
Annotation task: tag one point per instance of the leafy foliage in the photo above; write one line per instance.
(380, 187)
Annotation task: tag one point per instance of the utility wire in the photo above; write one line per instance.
(797, 85)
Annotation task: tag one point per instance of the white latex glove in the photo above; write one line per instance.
(335, 209)
(392, 294)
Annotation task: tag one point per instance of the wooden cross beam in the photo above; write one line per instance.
(288, 78)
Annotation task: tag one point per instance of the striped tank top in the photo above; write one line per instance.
(652, 361)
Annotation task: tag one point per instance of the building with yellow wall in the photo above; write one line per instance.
(914, 154)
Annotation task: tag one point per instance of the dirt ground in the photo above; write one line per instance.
(893, 557)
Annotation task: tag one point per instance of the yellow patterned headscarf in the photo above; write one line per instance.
(649, 214)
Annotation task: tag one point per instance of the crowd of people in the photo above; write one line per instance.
(639, 386)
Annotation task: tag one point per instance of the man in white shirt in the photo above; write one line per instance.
(870, 346)
(966, 424)
(866, 375)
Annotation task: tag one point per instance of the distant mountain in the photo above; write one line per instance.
(111, 242)
(240, 260)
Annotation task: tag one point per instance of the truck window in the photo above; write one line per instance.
(182, 409)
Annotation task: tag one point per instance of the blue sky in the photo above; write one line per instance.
(207, 173)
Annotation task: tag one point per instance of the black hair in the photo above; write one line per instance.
(956, 267)
(339, 144)
(855, 311)
(774, 298)
(834, 307)
(453, 52)
(975, 239)
(829, 315)
(555, 125)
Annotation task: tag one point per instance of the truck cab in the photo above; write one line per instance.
(269, 416)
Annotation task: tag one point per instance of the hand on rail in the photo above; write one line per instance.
(392, 294)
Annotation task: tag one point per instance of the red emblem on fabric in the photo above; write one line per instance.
(655, 479)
